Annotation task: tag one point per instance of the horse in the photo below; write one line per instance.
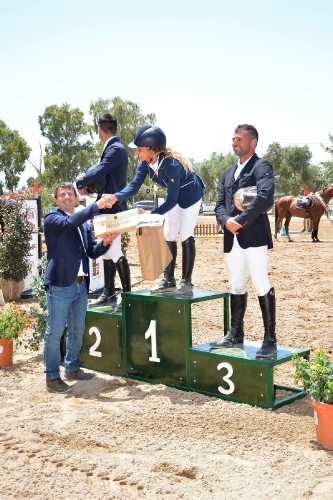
(286, 207)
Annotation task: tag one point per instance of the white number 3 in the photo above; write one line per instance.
(226, 379)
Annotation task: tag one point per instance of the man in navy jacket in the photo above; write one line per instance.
(69, 244)
(109, 176)
(247, 237)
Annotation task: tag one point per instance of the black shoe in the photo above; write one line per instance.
(232, 339)
(58, 385)
(79, 375)
(164, 286)
(185, 287)
(267, 350)
(104, 300)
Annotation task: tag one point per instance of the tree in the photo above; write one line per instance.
(291, 166)
(329, 149)
(129, 117)
(327, 166)
(14, 151)
(327, 173)
(67, 153)
(211, 172)
(38, 167)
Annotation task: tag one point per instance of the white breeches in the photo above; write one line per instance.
(114, 253)
(182, 221)
(255, 260)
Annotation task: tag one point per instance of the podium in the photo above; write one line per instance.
(152, 341)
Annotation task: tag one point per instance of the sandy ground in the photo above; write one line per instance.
(115, 438)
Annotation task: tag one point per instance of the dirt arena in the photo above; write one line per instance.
(115, 438)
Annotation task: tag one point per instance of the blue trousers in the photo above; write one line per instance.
(64, 305)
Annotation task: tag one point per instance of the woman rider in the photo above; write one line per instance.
(173, 171)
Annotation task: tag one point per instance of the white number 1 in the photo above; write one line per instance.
(151, 332)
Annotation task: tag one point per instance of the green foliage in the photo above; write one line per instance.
(15, 242)
(129, 118)
(211, 172)
(38, 314)
(13, 321)
(67, 154)
(327, 166)
(14, 151)
(292, 168)
(316, 376)
(329, 149)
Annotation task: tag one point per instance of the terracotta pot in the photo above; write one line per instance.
(12, 290)
(6, 353)
(323, 417)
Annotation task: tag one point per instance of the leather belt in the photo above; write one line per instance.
(79, 279)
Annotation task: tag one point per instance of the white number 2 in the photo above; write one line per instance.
(151, 332)
(226, 379)
(92, 350)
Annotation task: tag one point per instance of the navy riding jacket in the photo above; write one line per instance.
(256, 231)
(183, 187)
(113, 166)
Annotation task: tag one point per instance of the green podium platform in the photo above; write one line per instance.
(237, 375)
(152, 341)
(102, 347)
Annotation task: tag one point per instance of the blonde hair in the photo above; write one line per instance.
(169, 152)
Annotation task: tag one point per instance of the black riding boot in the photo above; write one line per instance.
(125, 278)
(267, 305)
(188, 258)
(235, 336)
(109, 294)
(168, 283)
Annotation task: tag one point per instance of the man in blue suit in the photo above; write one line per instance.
(109, 176)
(247, 237)
(69, 244)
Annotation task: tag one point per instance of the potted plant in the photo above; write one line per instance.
(39, 313)
(15, 247)
(316, 377)
(13, 321)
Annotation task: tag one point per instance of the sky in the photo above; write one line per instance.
(202, 67)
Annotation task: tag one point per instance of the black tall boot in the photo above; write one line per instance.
(188, 258)
(267, 306)
(125, 278)
(109, 294)
(168, 283)
(235, 336)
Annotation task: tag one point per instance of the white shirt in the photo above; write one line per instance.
(107, 141)
(240, 167)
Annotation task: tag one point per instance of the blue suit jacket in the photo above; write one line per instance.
(184, 188)
(113, 166)
(256, 230)
(64, 244)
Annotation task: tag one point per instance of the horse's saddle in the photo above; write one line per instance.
(304, 201)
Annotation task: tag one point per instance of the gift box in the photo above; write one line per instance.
(116, 223)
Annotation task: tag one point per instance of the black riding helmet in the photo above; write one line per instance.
(149, 137)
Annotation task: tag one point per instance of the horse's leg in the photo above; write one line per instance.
(315, 227)
(277, 221)
(286, 225)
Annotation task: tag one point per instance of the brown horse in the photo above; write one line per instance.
(286, 207)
